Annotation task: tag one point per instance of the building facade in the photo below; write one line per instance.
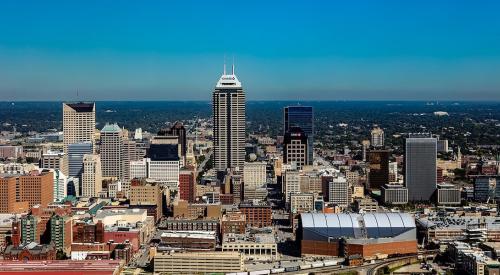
(302, 117)
(420, 167)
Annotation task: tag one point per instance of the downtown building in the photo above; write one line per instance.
(228, 106)
(78, 126)
(420, 167)
(110, 150)
(303, 118)
(296, 148)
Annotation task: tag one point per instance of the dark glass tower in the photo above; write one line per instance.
(302, 117)
(420, 167)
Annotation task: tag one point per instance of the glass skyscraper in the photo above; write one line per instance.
(303, 117)
(420, 167)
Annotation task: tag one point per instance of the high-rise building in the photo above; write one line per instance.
(339, 192)
(91, 176)
(254, 174)
(76, 151)
(36, 188)
(291, 184)
(302, 117)
(60, 233)
(78, 125)
(295, 147)
(187, 185)
(379, 168)
(29, 230)
(147, 194)
(60, 185)
(420, 167)
(228, 106)
(179, 131)
(164, 148)
(7, 194)
(377, 137)
(111, 151)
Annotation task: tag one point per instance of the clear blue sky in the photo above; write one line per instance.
(297, 50)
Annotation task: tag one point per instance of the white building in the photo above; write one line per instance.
(377, 137)
(393, 194)
(52, 160)
(291, 184)
(338, 190)
(161, 171)
(303, 202)
(60, 185)
(91, 176)
(254, 174)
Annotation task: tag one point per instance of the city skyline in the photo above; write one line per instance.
(444, 50)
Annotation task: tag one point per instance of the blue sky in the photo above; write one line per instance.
(296, 50)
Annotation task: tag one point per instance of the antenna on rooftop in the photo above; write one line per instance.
(233, 66)
(224, 64)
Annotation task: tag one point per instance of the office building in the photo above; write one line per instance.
(259, 247)
(256, 214)
(179, 131)
(302, 117)
(147, 194)
(377, 137)
(187, 185)
(365, 205)
(485, 188)
(19, 193)
(7, 194)
(164, 148)
(339, 192)
(291, 184)
(78, 125)
(52, 160)
(233, 222)
(379, 168)
(11, 152)
(130, 152)
(420, 167)
(228, 106)
(295, 147)
(60, 185)
(111, 150)
(302, 202)
(76, 152)
(91, 176)
(448, 194)
(254, 174)
(394, 194)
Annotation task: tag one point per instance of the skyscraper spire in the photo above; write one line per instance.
(232, 69)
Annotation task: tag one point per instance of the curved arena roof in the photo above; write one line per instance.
(319, 226)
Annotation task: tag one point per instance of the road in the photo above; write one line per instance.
(202, 165)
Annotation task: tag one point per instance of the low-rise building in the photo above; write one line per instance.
(257, 214)
(253, 247)
(198, 262)
(394, 194)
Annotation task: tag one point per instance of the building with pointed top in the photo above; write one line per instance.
(228, 106)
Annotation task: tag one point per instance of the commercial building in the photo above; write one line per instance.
(233, 222)
(30, 252)
(187, 185)
(379, 168)
(377, 137)
(83, 267)
(257, 214)
(183, 209)
(366, 205)
(253, 247)
(78, 126)
(295, 147)
(254, 174)
(302, 202)
(18, 193)
(52, 160)
(485, 187)
(338, 190)
(178, 130)
(394, 194)
(355, 234)
(291, 184)
(111, 151)
(91, 176)
(147, 194)
(11, 151)
(164, 171)
(189, 225)
(188, 241)
(60, 185)
(302, 117)
(448, 194)
(228, 106)
(420, 167)
(75, 153)
(198, 262)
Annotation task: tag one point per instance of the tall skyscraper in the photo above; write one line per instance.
(303, 117)
(76, 151)
(228, 106)
(295, 147)
(91, 176)
(420, 167)
(179, 131)
(377, 137)
(111, 151)
(379, 168)
(78, 125)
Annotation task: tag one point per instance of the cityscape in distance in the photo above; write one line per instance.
(122, 152)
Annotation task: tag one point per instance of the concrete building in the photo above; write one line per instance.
(52, 160)
(198, 262)
(448, 194)
(164, 171)
(91, 176)
(256, 247)
(254, 174)
(366, 205)
(78, 126)
(291, 184)
(301, 203)
(295, 147)
(394, 194)
(228, 106)
(75, 153)
(485, 188)
(377, 137)
(111, 150)
(420, 167)
(147, 194)
(11, 152)
(233, 222)
(61, 233)
(338, 190)
(187, 185)
(60, 185)
(302, 117)
(20, 193)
